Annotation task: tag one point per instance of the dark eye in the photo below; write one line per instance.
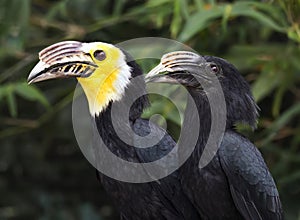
(100, 55)
(214, 68)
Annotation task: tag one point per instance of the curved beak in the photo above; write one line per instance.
(174, 65)
(63, 60)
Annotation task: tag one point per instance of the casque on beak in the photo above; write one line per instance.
(177, 67)
(173, 66)
(63, 60)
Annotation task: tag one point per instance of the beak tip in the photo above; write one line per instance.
(31, 78)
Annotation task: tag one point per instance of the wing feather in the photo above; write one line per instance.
(251, 185)
(169, 188)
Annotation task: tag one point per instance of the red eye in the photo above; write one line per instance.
(100, 55)
(214, 68)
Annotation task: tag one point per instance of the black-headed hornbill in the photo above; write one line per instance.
(105, 73)
(236, 183)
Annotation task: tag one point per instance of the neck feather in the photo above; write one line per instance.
(101, 89)
(107, 120)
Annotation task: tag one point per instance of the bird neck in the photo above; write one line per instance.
(202, 112)
(116, 121)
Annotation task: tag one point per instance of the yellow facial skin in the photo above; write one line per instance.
(100, 68)
(109, 80)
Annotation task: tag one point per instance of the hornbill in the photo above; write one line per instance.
(106, 75)
(236, 183)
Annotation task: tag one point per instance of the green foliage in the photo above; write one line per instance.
(13, 25)
(261, 12)
(30, 93)
(43, 174)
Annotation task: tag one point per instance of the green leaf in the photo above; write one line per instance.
(200, 21)
(203, 18)
(277, 100)
(156, 3)
(176, 22)
(118, 7)
(280, 122)
(184, 9)
(31, 93)
(294, 33)
(248, 10)
(199, 3)
(226, 16)
(2, 92)
(11, 101)
(272, 10)
(265, 83)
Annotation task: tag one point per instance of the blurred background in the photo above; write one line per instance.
(43, 174)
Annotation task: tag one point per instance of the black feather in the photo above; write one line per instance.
(236, 184)
(161, 200)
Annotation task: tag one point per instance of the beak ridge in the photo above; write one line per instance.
(170, 63)
(36, 72)
(62, 60)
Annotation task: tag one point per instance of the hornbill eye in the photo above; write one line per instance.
(214, 68)
(100, 55)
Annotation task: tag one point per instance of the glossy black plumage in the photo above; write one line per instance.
(161, 199)
(114, 84)
(236, 184)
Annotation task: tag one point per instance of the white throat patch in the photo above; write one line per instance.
(115, 93)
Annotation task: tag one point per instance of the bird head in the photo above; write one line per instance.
(100, 68)
(192, 71)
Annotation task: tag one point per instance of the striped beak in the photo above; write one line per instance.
(63, 60)
(174, 67)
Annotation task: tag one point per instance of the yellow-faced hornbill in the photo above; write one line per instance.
(105, 73)
(236, 183)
